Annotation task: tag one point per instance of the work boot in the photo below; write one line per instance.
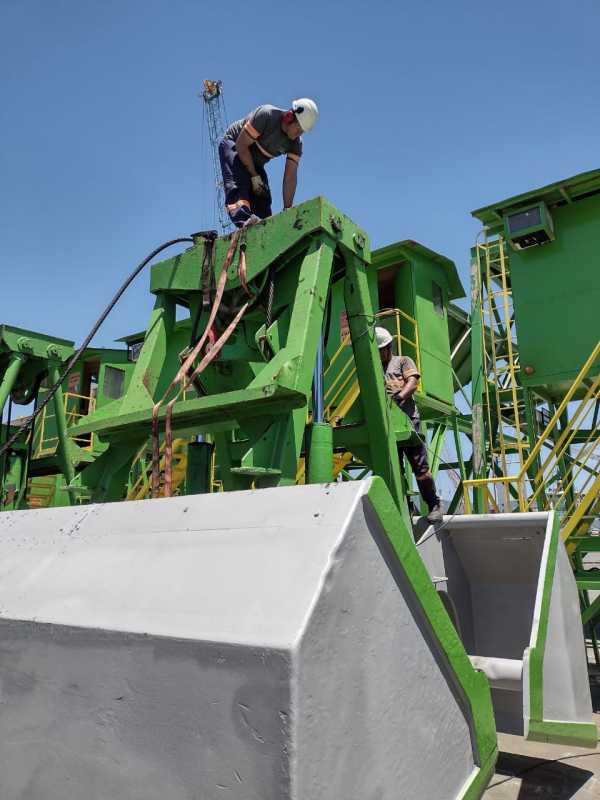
(429, 495)
(436, 514)
(252, 220)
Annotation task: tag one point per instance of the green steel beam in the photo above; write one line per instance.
(478, 377)
(383, 453)
(64, 445)
(11, 373)
(256, 405)
(591, 612)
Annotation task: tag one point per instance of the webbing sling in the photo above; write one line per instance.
(182, 379)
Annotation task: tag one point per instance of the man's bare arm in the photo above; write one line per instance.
(290, 181)
(395, 388)
(243, 144)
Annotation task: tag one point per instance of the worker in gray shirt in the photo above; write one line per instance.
(248, 144)
(401, 381)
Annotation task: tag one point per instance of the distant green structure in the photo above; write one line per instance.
(421, 283)
(536, 365)
(554, 239)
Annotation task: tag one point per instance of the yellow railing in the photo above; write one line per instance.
(503, 399)
(342, 390)
(553, 474)
(141, 487)
(400, 337)
(46, 445)
(41, 491)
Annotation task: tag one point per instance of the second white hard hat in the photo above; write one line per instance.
(306, 112)
(383, 337)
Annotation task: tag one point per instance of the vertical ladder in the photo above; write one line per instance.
(504, 399)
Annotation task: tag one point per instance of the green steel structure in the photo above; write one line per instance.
(259, 369)
(536, 365)
(555, 284)
(43, 469)
(254, 399)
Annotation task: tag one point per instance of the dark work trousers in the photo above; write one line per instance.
(240, 200)
(417, 458)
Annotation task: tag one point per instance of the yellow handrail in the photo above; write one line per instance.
(334, 398)
(563, 405)
(47, 444)
(141, 487)
(546, 471)
(343, 389)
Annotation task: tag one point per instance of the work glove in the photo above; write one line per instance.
(393, 386)
(258, 186)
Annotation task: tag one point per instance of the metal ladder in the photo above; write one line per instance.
(504, 397)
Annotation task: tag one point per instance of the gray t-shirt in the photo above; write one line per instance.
(263, 125)
(401, 368)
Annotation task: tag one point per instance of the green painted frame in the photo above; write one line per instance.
(537, 728)
(473, 684)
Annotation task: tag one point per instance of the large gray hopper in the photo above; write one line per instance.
(506, 581)
(283, 643)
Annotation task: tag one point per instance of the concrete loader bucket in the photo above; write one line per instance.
(282, 643)
(506, 581)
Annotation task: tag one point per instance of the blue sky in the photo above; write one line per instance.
(427, 111)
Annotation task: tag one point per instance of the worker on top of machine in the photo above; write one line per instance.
(249, 144)
(401, 381)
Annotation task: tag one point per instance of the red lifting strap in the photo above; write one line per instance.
(181, 378)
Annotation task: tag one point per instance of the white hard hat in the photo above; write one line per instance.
(306, 112)
(383, 337)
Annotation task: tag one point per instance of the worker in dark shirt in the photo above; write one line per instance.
(401, 381)
(249, 144)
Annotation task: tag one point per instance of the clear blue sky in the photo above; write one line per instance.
(428, 110)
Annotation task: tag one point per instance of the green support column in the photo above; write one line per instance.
(154, 369)
(320, 453)
(13, 489)
(293, 366)
(66, 465)
(459, 453)
(435, 447)
(565, 464)
(11, 374)
(532, 436)
(478, 377)
(377, 410)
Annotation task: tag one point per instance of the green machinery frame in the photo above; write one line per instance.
(27, 358)
(254, 401)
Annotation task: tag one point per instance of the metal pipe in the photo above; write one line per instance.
(460, 343)
(318, 402)
(11, 374)
(320, 454)
(477, 385)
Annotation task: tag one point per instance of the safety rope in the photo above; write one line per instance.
(183, 379)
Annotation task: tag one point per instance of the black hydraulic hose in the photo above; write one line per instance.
(77, 355)
(31, 438)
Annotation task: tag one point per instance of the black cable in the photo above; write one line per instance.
(77, 355)
(542, 763)
(31, 438)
